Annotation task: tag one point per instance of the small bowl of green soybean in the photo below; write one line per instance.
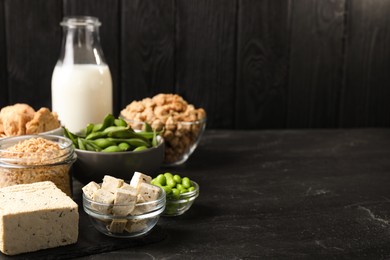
(113, 148)
(181, 193)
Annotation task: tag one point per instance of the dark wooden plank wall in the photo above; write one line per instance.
(3, 59)
(249, 63)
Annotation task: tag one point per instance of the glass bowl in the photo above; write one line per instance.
(134, 225)
(35, 161)
(178, 206)
(181, 138)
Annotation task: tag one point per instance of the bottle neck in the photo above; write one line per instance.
(81, 43)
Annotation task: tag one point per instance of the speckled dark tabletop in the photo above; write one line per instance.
(282, 194)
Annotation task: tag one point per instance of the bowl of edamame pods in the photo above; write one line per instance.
(114, 148)
(181, 192)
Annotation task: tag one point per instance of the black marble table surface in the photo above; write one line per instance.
(271, 194)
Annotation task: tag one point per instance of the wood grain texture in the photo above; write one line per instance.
(366, 94)
(33, 45)
(315, 75)
(262, 66)
(3, 59)
(206, 56)
(147, 44)
(107, 11)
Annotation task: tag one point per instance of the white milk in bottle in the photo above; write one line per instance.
(81, 81)
(81, 94)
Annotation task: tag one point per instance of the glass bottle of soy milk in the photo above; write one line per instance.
(81, 82)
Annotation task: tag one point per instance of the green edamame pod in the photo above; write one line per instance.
(103, 142)
(112, 149)
(154, 139)
(140, 148)
(107, 122)
(89, 129)
(124, 146)
(126, 134)
(92, 145)
(148, 128)
(97, 127)
(137, 142)
(71, 136)
(146, 135)
(120, 122)
(80, 143)
(89, 147)
(96, 135)
(114, 128)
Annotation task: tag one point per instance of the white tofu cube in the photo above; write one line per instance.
(90, 189)
(136, 225)
(117, 225)
(103, 196)
(124, 202)
(111, 183)
(139, 178)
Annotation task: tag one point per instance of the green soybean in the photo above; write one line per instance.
(167, 189)
(186, 182)
(177, 178)
(168, 175)
(161, 179)
(175, 193)
(171, 182)
(178, 185)
(183, 191)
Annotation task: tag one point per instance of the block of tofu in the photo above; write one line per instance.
(111, 183)
(136, 225)
(90, 189)
(147, 192)
(36, 216)
(103, 196)
(124, 202)
(117, 225)
(127, 186)
(139, 178)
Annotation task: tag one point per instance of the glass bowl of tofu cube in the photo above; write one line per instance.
(124, 209)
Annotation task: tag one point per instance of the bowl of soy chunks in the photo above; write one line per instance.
(113, 147)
